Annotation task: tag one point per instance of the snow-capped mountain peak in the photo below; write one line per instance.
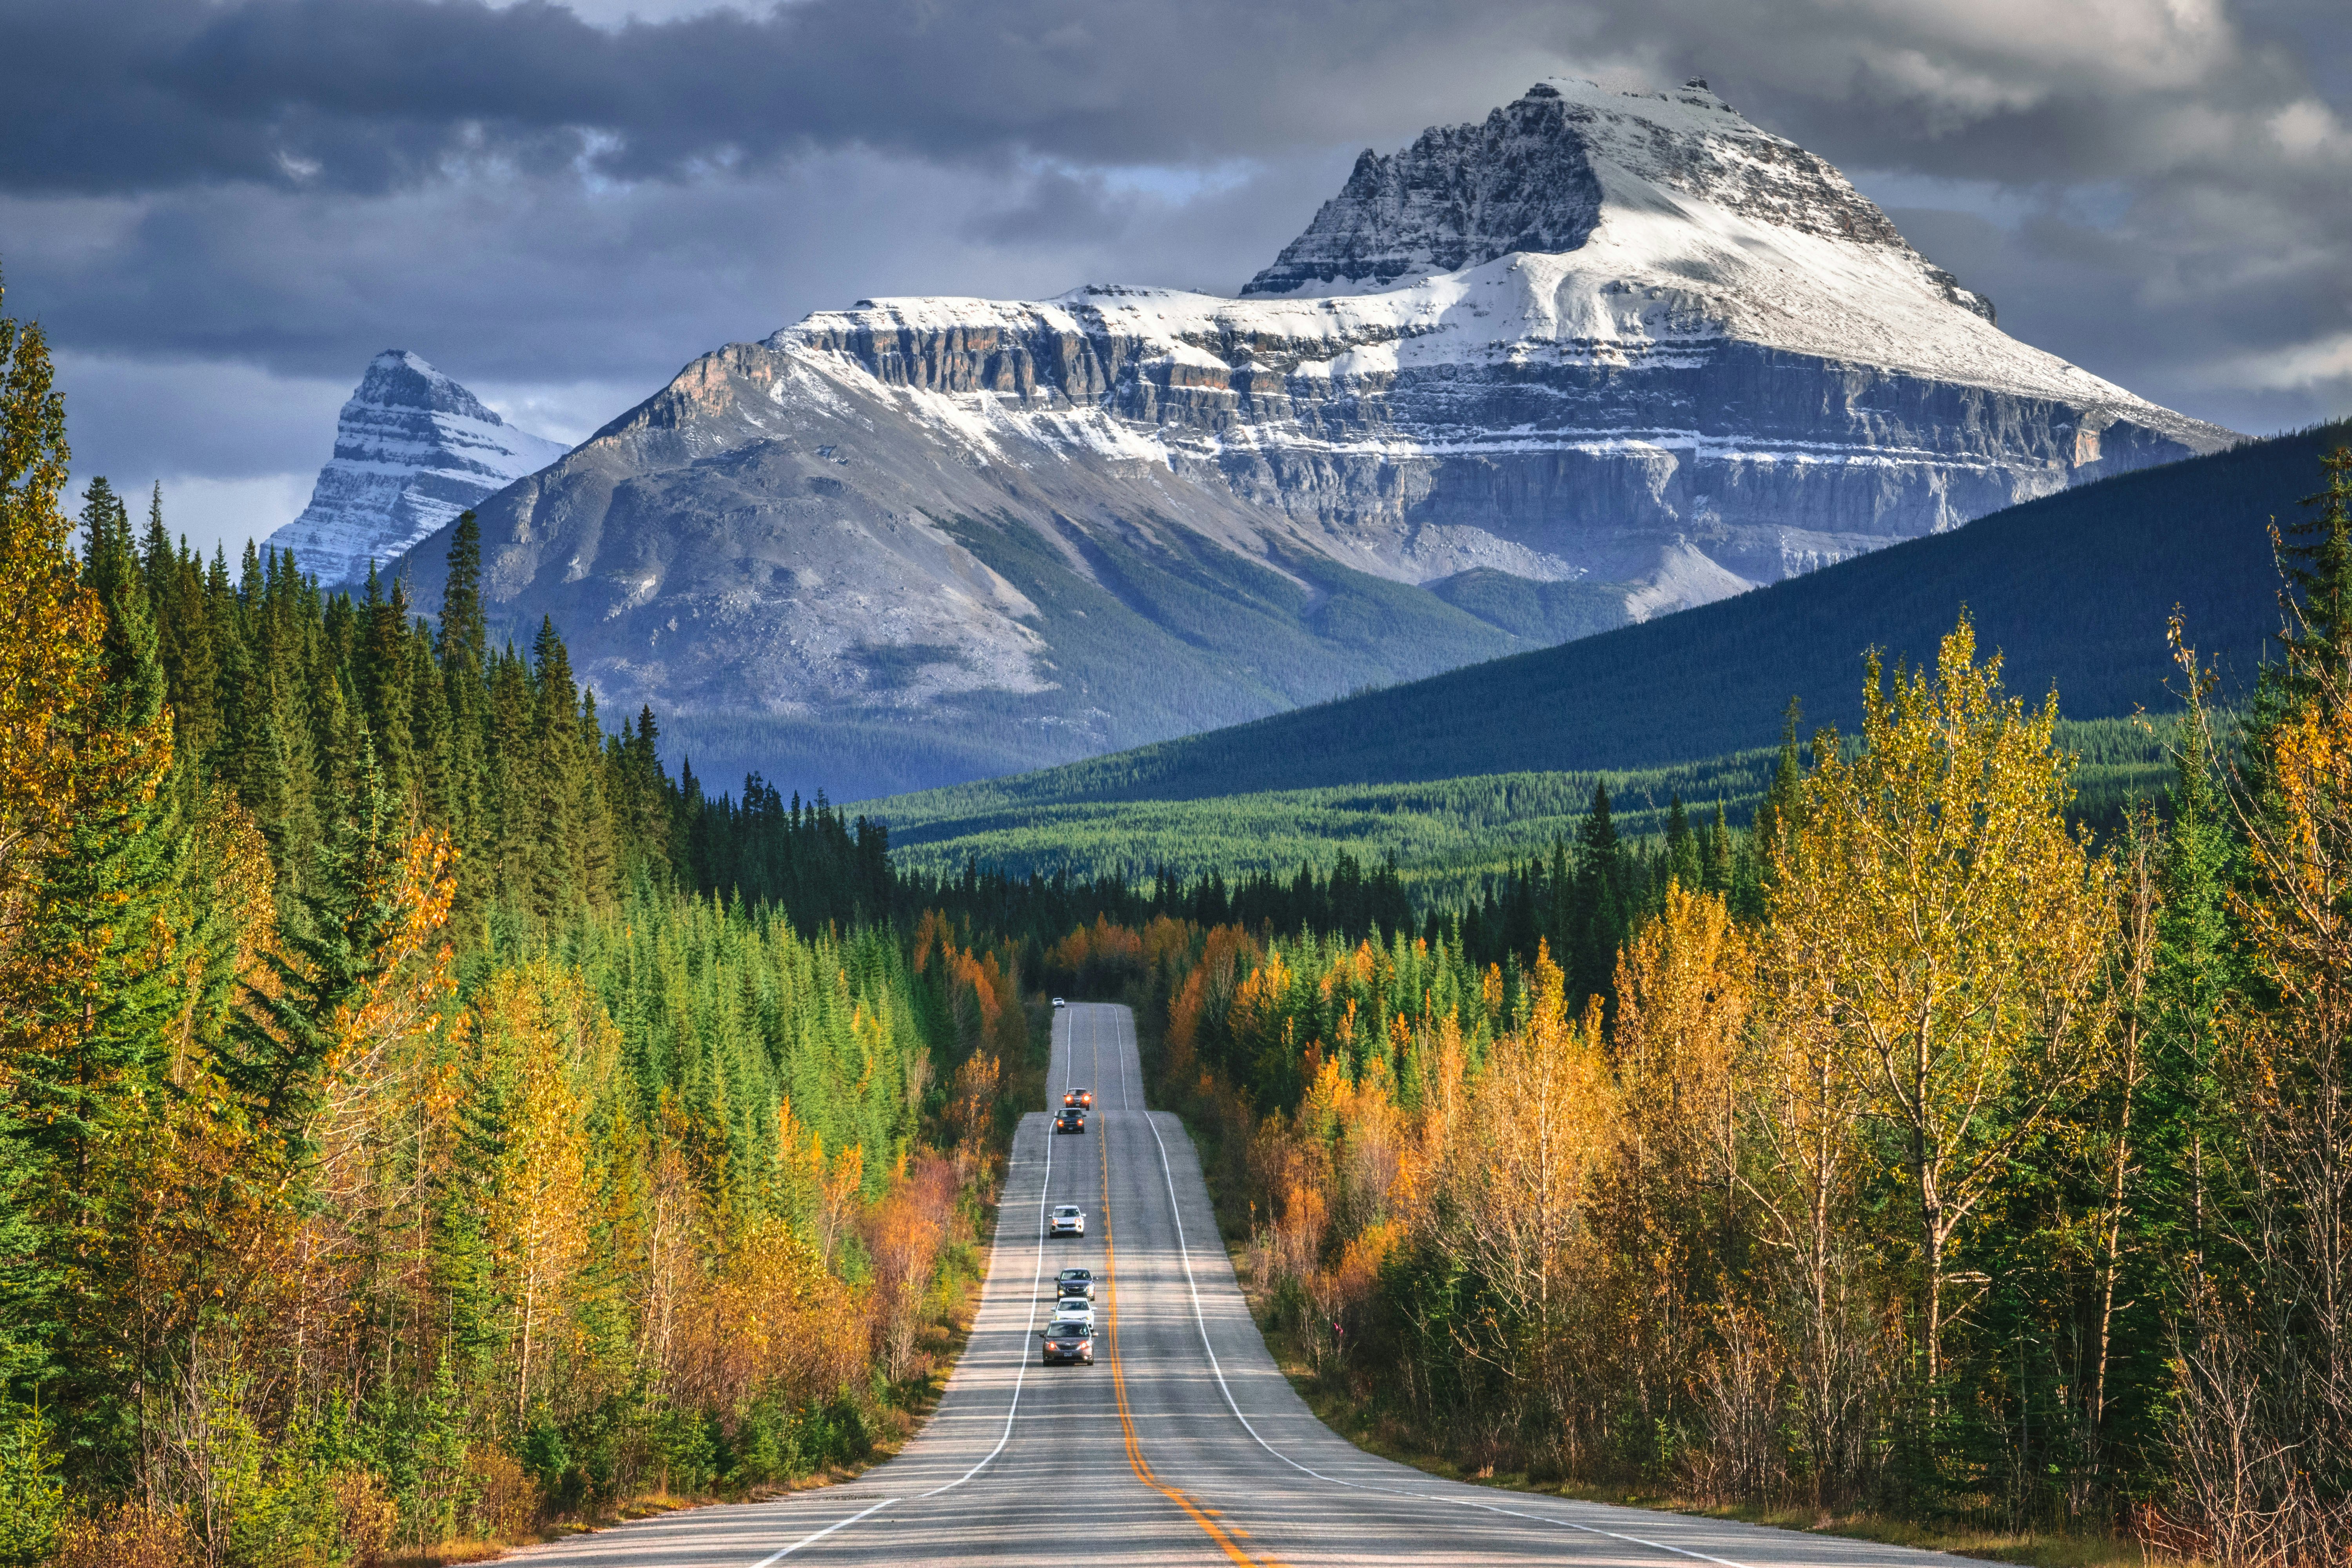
(1540, 174)
(412, 449)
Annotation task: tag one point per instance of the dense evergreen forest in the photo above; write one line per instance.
(398, 1146)
(1447, 835)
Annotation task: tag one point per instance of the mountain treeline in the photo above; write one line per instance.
(396, 1147)
(1921, 1152)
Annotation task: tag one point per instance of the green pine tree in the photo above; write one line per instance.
(108, 890)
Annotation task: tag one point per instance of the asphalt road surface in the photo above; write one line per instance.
(1182, 1444)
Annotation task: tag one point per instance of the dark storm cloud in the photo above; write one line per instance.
(540, 281)
(368, 95)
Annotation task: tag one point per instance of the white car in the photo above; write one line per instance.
(1076, 1309)
(1059, 1002)
(1068, 1220)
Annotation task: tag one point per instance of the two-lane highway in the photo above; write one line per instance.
(1183, 1442)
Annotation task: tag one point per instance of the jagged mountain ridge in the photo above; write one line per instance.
(1061, 526)
(412, 449)
(1529, 178)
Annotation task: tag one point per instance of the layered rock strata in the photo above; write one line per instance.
(412, 449)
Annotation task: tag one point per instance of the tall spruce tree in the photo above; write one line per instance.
(1599, 899)
(384, 671)
(329, 955)
(108, 893)
(2316, 600)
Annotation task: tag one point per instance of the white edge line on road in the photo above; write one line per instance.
(1184, 1252)
(1020, 1376)
(820, 1535)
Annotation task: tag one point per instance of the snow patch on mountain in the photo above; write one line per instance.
(412, 449)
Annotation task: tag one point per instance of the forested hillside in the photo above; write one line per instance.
(397, 1147)
(2072, 589)
(1447, 835)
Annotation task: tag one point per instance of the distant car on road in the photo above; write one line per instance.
(1068, 1219)
(1075, 1309)
(1082, 1098)
(1070, 1120)
(1067, 1340)
(1075, 1282)
(1059, 1002)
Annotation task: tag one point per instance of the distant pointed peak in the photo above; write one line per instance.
(412, 449)
(404, 359)
(403, 379)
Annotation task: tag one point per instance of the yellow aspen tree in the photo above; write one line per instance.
(1671, 1206)
(1957, 926)
(1523, 1176)
(1682, 984)
(837, 1196)
(539, 1209)
(971, 1109)
(673, 1217)
(1802, 1092)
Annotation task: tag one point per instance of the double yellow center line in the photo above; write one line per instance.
(1226, 1536)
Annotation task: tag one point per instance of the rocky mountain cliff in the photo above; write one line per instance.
(412, 449)
(1599, 357)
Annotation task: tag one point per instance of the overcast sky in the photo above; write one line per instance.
(220, 209)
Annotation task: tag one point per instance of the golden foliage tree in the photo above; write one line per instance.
(1672, 1205)
(528, 1023)
(1952, 926)
(1521, 1185)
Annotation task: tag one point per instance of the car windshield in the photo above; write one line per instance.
(1079, 1275)
(1069, 1331)
(1066, 1210)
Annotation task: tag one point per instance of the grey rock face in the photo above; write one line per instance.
(1628, 353)
(1459, 195)
(412, 449)
(1526, 180)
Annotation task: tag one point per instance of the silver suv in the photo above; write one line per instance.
(1068, 1220)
